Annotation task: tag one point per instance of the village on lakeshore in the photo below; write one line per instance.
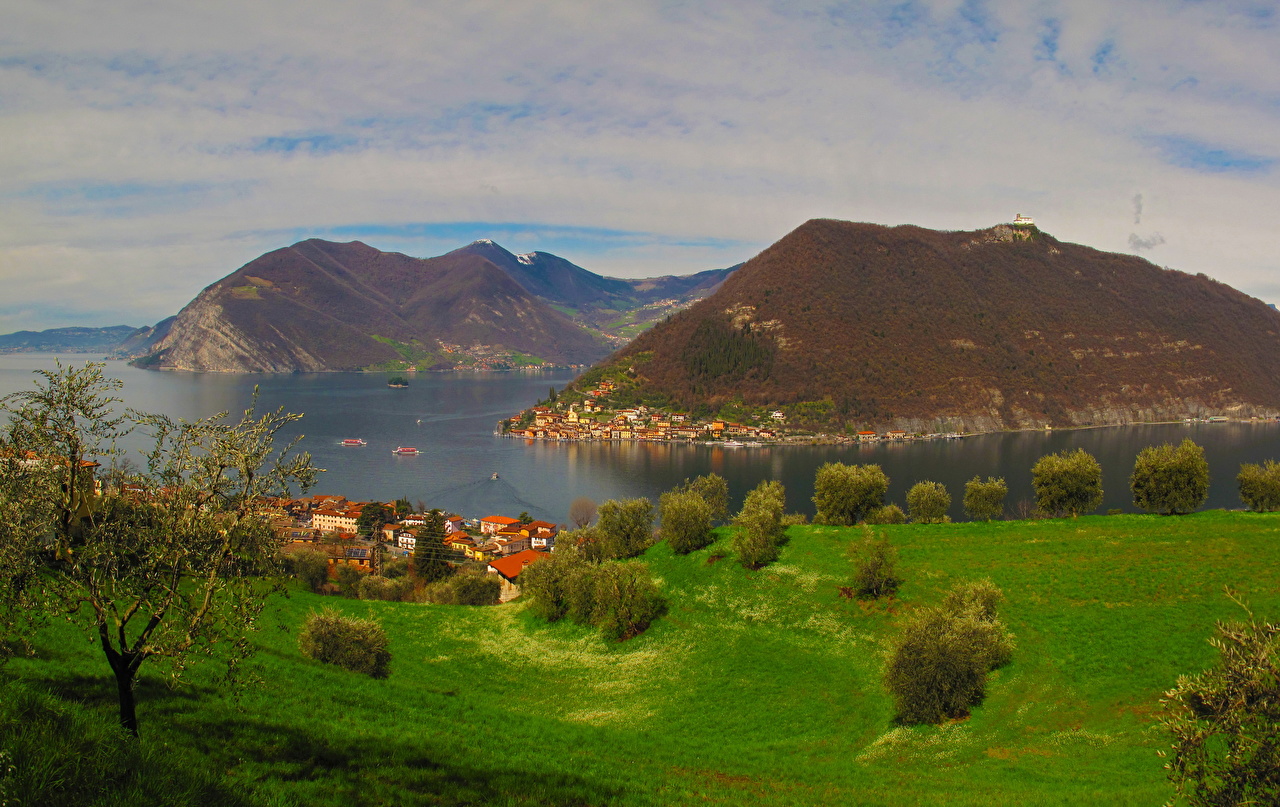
(596, 415)
(364, 535)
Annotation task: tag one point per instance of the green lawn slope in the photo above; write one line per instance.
(757, 687)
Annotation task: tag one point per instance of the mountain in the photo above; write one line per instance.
(320, 305)
(66, 340)
(849, 325)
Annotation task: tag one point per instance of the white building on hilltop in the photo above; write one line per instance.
(1020, 220)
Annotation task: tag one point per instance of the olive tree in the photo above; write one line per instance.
(625, 527)
(1170, 479)
(1260, 486)
(845, 494)
(685, 521)
(173, 566)
(984, 501)
(1068, 483)
(1225, 722)
(928, 502)
(712, 489)
(760, 531)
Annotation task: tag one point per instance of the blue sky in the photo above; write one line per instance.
(151, 149)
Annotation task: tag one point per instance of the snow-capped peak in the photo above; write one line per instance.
(487, 241)
(526, 258)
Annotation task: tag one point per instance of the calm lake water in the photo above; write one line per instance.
(451, 417)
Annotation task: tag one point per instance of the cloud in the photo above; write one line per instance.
(153, 149)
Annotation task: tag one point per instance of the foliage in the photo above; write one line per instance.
(718, 353)
(844, 494)
(876, 575)
(1225, 722)
(430, 556)
(984, 501)
(1260, 486)
(685, 521)
(358, 645)
(373, 517)
(625, 528)
(888, 514)
(760, 531)
(626, 600)
(476, 589)
(714, 490)
(377, 587)
(1170, 479)
(174, 567)
(311, 567)
(1067, 483)
(928, 502)
(939, 664)
(582, 511)
(348, 579)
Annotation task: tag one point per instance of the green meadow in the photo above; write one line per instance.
(757, 687)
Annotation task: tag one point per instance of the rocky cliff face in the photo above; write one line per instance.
(859, 325)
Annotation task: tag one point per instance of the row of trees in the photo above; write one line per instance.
(1166, 479)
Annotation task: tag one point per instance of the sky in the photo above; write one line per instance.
(150, 147)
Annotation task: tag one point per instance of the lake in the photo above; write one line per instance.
(450, 417)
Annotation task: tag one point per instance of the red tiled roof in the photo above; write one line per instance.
(510, 567)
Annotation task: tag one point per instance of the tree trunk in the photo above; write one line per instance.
(124, 688)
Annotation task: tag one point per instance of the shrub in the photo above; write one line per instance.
(928, 502)
(359, 645)
(311, 567)
(626, 600)
(1170, 479)
(760, 531)
(686, 521)
(377, 587)
(1225, 721)
(939, 664)
(625, 527)
(712, 489)
(876, 576)
(984, 501)
(889, 514)
(844, 494)
(794, 520)
(476, 589)
(1069, 483)
(1260, 486)
(348, 578)
(546, 583)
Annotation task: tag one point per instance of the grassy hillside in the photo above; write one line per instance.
(757, 686)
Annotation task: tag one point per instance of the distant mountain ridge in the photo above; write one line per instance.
(67, 340)
(851, 326)
(319, 305)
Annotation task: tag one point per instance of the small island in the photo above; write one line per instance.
(398, 382)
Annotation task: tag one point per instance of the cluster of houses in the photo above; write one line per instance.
(329, 524)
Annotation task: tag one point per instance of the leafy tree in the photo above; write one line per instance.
(939, 664)
(373, 517)
(403, 507)
(620, 599)
(1225, 722)
(1170, 479)
(927, 502)
(348, 578)
(760, 531)
(171, 570)
(876, 576)
(311, 567)
(626, 600)
(686, 521)
(430, 558)
(984, 501)
(1068, 483)
(476, 589)
(524, 517)
(625, 527)
(582, 511)
(714, 490)
(1260, 486)
(845, 494)
(358, 645)
(546, 582)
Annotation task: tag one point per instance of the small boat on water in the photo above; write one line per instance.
(495, 475)
(354, 441)
(406, 450)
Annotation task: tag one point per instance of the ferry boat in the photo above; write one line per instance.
(354, 441)
(406, 450)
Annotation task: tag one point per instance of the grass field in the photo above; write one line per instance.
(758, 687)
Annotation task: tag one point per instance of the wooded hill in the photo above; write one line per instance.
(319, 305)
(865, 326)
